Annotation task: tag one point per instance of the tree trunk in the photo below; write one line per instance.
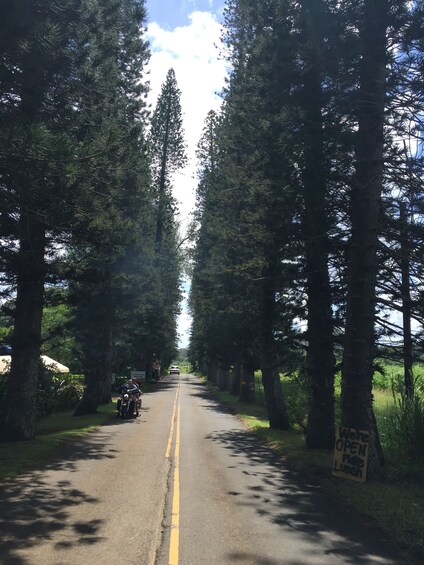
(223, 377)
(236, 378)
(90, 399)
(203, 365)
(213, 371)
(105, 389)
(320, 354)
(357, 373)
(274, 401)
(246, 388)
(98, 365)
(406, 304)
(20, 399)
(148, 366)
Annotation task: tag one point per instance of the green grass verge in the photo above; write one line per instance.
(395, 507)
(51, 434)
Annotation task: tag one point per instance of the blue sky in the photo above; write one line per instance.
(172, 13)
(185, 35)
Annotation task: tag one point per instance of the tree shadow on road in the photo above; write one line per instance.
(322, 527)
(158, 386)
(206, 394)
(34, 511)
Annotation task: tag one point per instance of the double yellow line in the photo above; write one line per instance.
(175, 512)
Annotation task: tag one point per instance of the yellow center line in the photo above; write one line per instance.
(175, 520)
(171, 431)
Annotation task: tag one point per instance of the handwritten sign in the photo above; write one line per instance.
(351, 454)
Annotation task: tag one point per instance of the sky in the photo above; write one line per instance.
(185, 35)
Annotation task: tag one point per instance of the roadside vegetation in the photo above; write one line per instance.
(56, 424)
(53, 432)
(394, 503)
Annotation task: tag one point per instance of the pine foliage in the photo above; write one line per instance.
(283, 169)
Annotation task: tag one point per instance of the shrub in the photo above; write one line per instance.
(405, 431)
(296, 396)
(68, 396)
(297, 408)
(57, 391)
(45, 403)
(118, 383)
(45, 391)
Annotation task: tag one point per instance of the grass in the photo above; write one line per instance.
(394, 505)
(51, 434)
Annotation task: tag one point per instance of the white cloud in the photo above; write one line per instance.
(193, 52)
(184, 325)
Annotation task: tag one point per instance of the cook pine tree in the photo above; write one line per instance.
(167, 148)
(39, 80)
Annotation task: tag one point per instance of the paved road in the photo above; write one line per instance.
(184, 484)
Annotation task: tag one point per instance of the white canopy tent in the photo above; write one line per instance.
(50, 363)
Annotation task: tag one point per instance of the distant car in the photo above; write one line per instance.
(174, 370)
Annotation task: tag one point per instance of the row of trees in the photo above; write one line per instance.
(310, 203)
(87, 216)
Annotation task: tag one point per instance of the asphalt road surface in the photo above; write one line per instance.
(183, 484)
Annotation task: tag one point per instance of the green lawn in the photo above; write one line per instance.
(51, 433)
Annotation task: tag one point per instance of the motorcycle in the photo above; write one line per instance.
(129, 404)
